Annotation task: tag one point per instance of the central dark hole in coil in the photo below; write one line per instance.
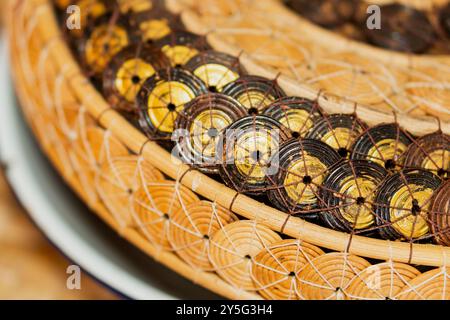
(307, 180)
(213, 132)
(213, 89)
(206, 237)
(389, 164)
(343, 152)
(360, 201)
(415, 210)
(172, 107)
(292, 274)
(253, 111)
(106, 47)
(135, 79)
(247, 256)
(257, 155)
(296, 134)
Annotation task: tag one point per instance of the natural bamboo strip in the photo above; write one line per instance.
(431, 255)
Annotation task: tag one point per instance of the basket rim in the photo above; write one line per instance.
(135, 141)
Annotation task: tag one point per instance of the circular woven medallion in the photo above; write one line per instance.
(156, 23)
(356, 77)
(102, 43)
(402, 29)
(153, 205)
(233, 248)
(181, 46)
(382, 281)
(248, 146)
(327, 13)
(384, 144)
(201, 124)
(254, 92)
(192, 227)
(431, 285)
(431, 152)
(327, 277)
(348, 193)
(403, 204)
(301, 169)
(439, 216)
(162, 98)
(339, 131)
(128, 71)
(297, 114)
(118, 179)
(216, 69)
(276, 267)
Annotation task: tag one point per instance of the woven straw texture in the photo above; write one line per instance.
(216, 237)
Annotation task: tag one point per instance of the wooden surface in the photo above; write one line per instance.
(30, 268)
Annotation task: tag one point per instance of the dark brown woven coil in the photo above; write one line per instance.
(127, 72)
(200, 126)
(327, 13)
(154, 23)
(384, 144)
(248, 146)
(402, 205)
(402, 29)
(297, 114)
(102, 40)
(216, 69)
(181, 46)
(254, 92)
(440, 215)
(339, 131)
(431, 152)
(303, 165)
(348, 193)
(161, 99)
(444, 18)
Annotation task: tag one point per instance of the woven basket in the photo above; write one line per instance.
(183, 218)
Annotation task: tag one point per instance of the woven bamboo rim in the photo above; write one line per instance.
(95, 105)
(330, 102)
